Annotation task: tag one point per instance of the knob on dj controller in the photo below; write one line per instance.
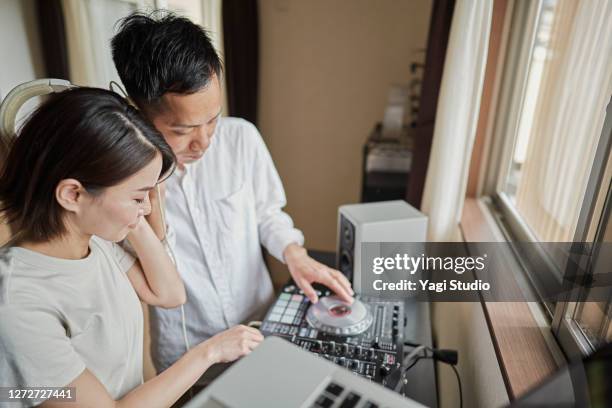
(343, 349)
(383, 371)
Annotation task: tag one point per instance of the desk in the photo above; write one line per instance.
(422, 385)
(422, 377)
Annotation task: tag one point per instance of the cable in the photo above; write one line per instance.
(402, 380)
(459, 384)
(255, 323)
(184, 327)
(445, 356)
(414, 353)
(173, 258)
(416, 360)
(125, 95)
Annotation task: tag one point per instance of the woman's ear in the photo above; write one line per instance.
(70, 194)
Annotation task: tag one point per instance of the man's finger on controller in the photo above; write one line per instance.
(344, 280)
(340, 291)
(309, 291)
(346, 285)
(341, 279)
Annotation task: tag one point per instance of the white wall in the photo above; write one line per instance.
(19, 44)
(326, 68)
(20, 52)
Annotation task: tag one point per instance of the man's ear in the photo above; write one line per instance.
(70, 194)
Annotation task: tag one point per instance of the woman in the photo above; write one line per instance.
(81, 176)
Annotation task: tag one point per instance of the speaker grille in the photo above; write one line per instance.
(346, 249)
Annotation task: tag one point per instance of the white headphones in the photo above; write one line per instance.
(16, 98)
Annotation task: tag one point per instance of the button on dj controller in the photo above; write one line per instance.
(365, 337)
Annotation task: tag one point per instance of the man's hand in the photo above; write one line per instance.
(306, 270)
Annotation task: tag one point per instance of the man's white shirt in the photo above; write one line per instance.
(219, 211)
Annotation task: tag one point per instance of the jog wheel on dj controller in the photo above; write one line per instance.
(333, 316)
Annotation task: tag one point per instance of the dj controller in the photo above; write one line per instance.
(366, 337)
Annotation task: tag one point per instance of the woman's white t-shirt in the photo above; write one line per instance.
(58, 317)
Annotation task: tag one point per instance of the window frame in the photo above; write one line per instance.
(514, 77)
(592, 224)
(524, 18)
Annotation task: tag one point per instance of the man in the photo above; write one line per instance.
(224, 200)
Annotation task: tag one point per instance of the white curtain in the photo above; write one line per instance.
(89, 28)
(212, 21)
(456, 118)
(90, 25)
(575, 88)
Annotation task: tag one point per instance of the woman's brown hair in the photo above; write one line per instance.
(91, 135)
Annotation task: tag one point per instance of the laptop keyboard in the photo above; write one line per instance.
(334, 396)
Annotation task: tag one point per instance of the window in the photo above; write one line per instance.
(545, 168)
(586, 322)
(549, 160)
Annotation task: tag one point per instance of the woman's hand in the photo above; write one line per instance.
(166, 388)
(154, 218)
(232, 344)
(154, 276)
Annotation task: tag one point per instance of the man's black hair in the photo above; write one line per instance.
(162, 52)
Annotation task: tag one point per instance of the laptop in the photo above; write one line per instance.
(280, 374)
